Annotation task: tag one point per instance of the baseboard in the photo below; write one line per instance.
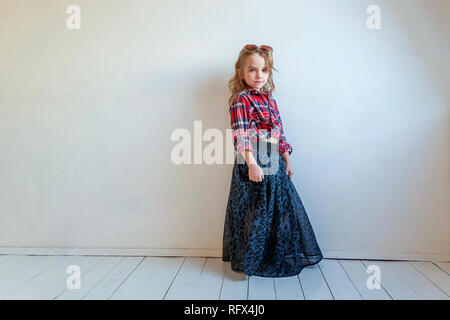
(215, 253)
(373, 255)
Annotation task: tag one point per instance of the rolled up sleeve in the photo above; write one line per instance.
(284, 145)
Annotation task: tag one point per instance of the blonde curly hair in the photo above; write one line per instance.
(236, 84)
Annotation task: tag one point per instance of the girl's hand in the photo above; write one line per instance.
(289, 168)
(255, 173)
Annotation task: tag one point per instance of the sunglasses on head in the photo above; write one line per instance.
(253, 47)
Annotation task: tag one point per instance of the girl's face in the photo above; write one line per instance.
(255, 72)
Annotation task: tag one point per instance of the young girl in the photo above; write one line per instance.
(267, 231)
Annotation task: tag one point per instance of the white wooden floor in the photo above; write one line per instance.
(169, 278)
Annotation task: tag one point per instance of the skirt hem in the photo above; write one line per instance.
(316, 259)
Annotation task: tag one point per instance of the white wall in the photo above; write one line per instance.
(86, 118)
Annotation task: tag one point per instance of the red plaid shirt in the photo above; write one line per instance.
(255, 116)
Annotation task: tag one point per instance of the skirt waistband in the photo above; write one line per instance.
(266, 155)
(265, 147)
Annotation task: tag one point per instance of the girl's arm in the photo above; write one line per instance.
(240, 125)
(249, 157)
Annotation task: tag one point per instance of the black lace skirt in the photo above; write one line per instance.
(267, 231)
